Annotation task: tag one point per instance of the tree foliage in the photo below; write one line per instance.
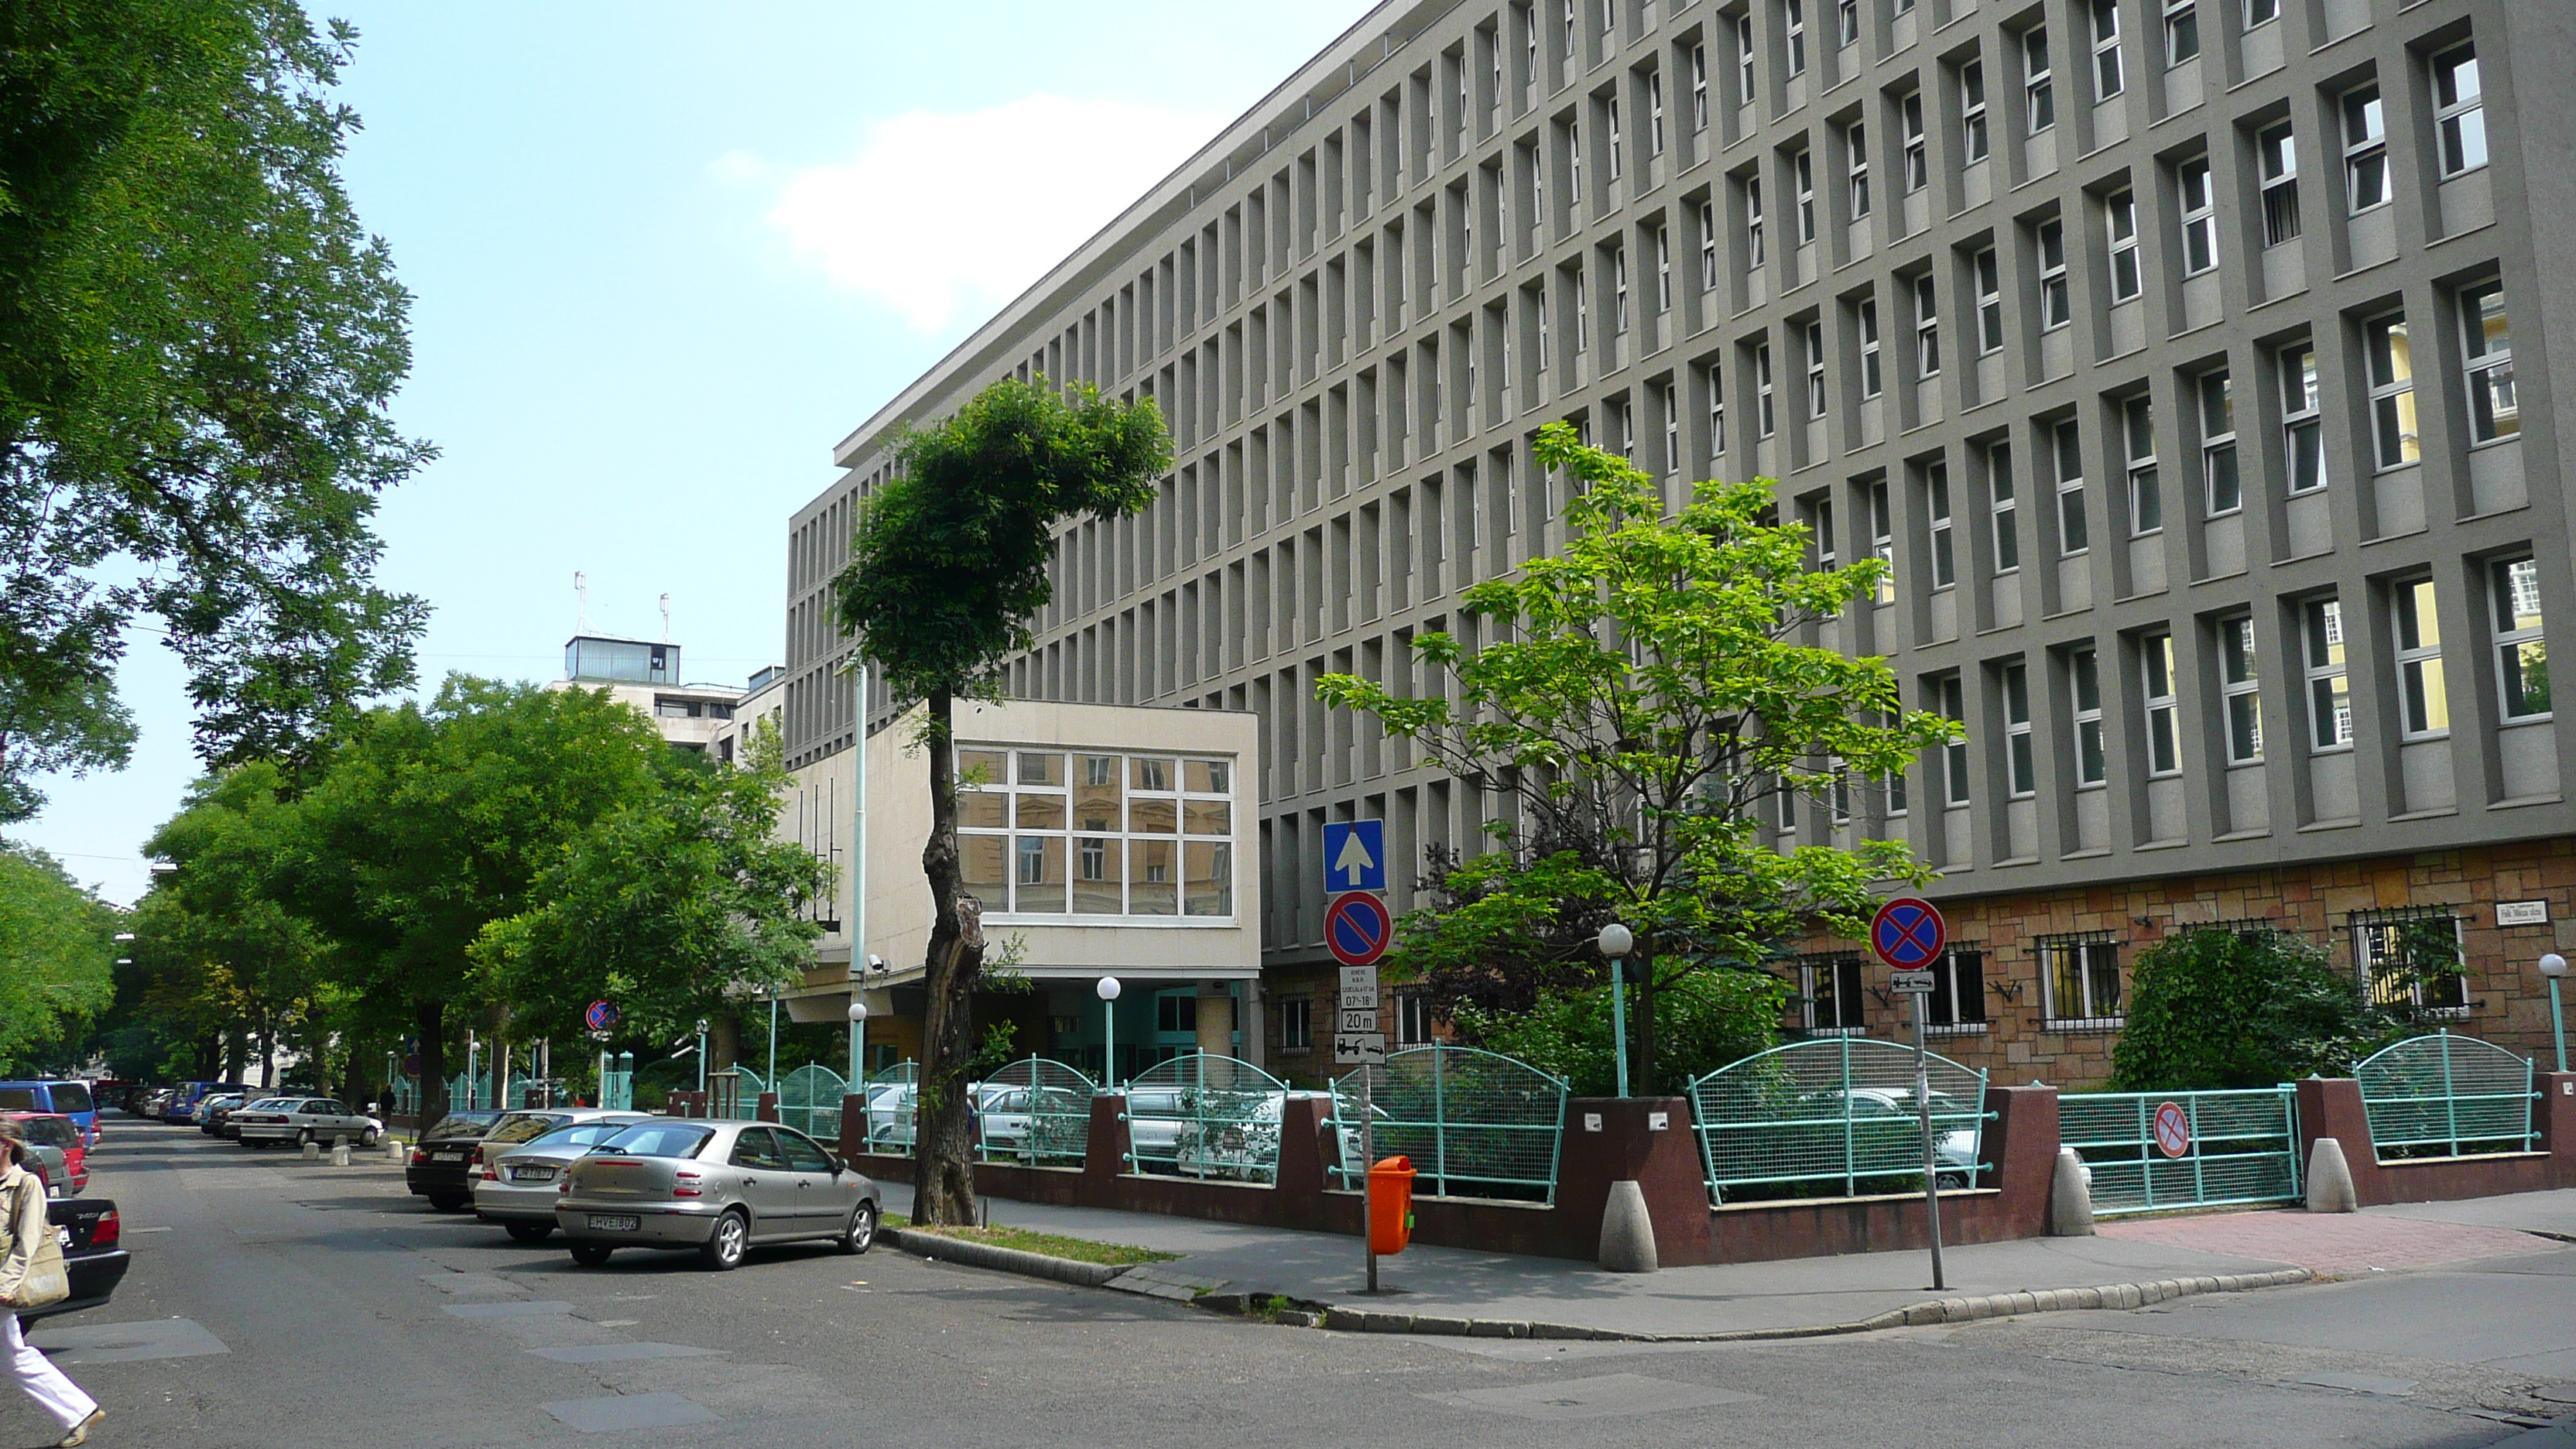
(55, 957)
(197, 345)
(2212, 1009)
(948, 566)
(1641, 696)
(1705, 1020)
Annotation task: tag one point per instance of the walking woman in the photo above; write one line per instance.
(31, 1275)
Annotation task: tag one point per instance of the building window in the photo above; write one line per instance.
(2365, 149)
(2182, 32)
(2056, 306)
(1972, 110)
(1990, 303)
(2146, 498)
(1869, 370)
(2084, 681)
(2007, 528)
(1803, 169)
(2522, 655)
(2199, 217)
(1753, 220)
(2459, 110)
(1927, 329)
(2021, 768)
(2278, 151)
(2488, 350)
(2392, 393)
(2303, 431)
(2106, 49)
(1143, 835)
(1820, 522)
(1699, 87)
(2411, 957)
(1918, 172)
(2067, 453)
(1882, 540)
(2261, 12)
(2040, 108)
(2082, 977)
(1655, 113)
(2164, 728)
(1672, 459)
(1846, 23)
(2329, 691)
(1296, 1024)
(1663, 268)
(2419, 661)
(1176, 1012)
(1958, 988)
(1831, 989)
(1765, 423)
(1815, 336)
(1936, 490)
(2120, 217)
(1796, 11)
(1716, 417)
(2222, 486)
(1949, 702)
(2239, 683)
(1412, 1019)
(1619, 291)
(1744, 59)
(1708, 246)
(1856, 148)
(1610, 111)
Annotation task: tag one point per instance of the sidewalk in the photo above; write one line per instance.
(1811, 1294)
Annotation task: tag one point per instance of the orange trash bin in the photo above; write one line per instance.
(1390, 1205)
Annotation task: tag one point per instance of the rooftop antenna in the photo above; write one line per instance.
(581, 602)
(666, 618)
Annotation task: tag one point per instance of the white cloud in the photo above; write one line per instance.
(939, 215)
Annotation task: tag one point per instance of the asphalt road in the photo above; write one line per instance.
(280, 1303)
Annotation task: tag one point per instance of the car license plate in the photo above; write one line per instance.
(447, 1157)
(532, 1174)
(613, 1223)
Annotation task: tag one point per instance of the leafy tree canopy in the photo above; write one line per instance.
(56, 952)
(2212, 1009)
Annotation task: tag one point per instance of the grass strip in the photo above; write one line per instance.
(1053, 1245)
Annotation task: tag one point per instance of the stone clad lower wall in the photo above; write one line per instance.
(2333, 1108)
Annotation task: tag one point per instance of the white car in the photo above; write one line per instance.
(306, 1119)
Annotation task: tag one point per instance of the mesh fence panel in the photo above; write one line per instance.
(2446, 1096)
(809, 1100)
(1036, 1113)
(894, 1097)
(1206, 1116)
(1834, 1118)
(2243, 1148)
(1475, 1124)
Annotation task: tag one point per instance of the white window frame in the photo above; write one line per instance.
(2056, 301)
(1746, 77)
(2325, 661)
(2261, 12)
(2303, 437)
(1654, 113)
(2021, 766)
(1988, 270)
(1663, 268)
(2395, 427)
(1714, 376)
(1846, 24)
(2372, 942)
(1814, 335)
(2158, 700)
(2084, 690)
(2276, 152)
(1699, 86)
(1843, 995)
(1949, 700)
(2198, 194)
(1802, 171)
(2240, 688)
(2222, 481)
(1708, 246)
(1068, 834)
(2039, 92)
(2486, 364)
(2073, 972)
(2521, 646)
(1856, 168)
(1872, 382)
(1619, 291)
(2423, 699)
(2120, 226)
(2109, 79)
(1927, 327)
(1972, 112)
(1296, 1024)
(1957, 1005)
(2145, 486)
(2003, 509)
(2182, 32)
(1882, 539)
(1766, 415)
(1918, 166)
(1754, 250)
(1820, 525)
(2074, 530)
(1617, 135)
(2363, 120)
(1936, 517)
(2459, 111)
(1794, 32)
(1672, 431)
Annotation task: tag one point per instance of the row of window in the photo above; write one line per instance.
(1051, 832)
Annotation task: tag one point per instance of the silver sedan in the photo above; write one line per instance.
(518, 1187)
(716, 1187)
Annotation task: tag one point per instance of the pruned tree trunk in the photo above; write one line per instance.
(943, 1150)
(429, 1019)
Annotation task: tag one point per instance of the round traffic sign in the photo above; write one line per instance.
(411, 1064)
(1908, 933)
(1357, 928)
(2173, 1130)
(601, 1016)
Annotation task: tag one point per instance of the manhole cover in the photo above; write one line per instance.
(2555, 1393)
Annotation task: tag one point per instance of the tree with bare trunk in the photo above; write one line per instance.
(948, 566)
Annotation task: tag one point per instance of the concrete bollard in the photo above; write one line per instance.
(2070, 1197)
(310, 1153)
(1627, 1231)
(2330, 1179)
(339, 1154)
(393, 1152)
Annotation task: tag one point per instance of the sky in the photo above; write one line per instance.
(664, 258)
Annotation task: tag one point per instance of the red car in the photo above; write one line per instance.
(52, 1129)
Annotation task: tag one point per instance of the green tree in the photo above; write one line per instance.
(2221, 1009)
(1640, 697)
(948, 566)
(1704, 1020)
(56, 954)
(197, 345)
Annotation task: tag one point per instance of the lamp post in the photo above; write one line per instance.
(2554, 966)
(858, 1041)
(1108, 989)
(1616, 941)
(702, 1059)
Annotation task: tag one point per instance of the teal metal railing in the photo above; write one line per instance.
(1474, 1123)
(2241, 1147)
(2446, 1096)
(1835, 1117)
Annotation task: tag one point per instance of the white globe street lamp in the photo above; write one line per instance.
(1616, 941)
(858, 1041)
(1108, 992)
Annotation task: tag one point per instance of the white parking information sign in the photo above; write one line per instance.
(1359, 1048)
(1357, 1020)
(1909, 981)
(1359, 988)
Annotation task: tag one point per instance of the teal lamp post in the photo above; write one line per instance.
(2554, 966)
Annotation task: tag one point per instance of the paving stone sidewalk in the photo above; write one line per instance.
(2334, 1244)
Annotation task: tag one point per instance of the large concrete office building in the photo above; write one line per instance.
(2190, 361)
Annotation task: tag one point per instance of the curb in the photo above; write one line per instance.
(940, 1248)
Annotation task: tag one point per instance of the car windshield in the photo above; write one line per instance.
(655, 1139)
(579, 1134)
(273, 1104)
(522, 1128)
(460, 1124)
(50, 1132)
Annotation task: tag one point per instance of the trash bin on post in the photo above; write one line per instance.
(1390, 1205)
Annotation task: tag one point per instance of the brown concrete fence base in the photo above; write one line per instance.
(2332, 1107)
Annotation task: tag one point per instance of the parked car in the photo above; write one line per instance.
(305, 1119)
(439, 1169)
(94, 1258)
(55, 1143)
(1885, 1109)
(69, 1098)
(717, 1188)
(181, 1109)
(212, 1111)
(517, 1187)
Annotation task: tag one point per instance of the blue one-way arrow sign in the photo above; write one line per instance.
(1355, 855)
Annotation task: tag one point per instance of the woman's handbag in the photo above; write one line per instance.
(41, 1278)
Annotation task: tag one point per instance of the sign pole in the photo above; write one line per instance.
(1910, 936)
(1923, 1112)
(1368, 1145)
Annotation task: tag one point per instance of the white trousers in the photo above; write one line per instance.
(53, 1392)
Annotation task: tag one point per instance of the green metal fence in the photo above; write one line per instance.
(2446, 1096)
(894, 1101)
(1202, 1115)
(734, 1094)
(809, 1100)
(1036, 1113)
(1474, 1123)
(1834, 1117)
(2241, 1147)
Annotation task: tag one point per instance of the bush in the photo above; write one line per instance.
(2215, 1009)
(1703, 1020)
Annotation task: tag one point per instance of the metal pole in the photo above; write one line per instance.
(773, 1041)
(1109, 1043)
(2557, 1024)
(1923, 1113)
(702, 1064)
(1619, 1017)
(1368, 1155)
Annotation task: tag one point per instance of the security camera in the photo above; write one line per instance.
(876, 963)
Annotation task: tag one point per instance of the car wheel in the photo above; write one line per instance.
(445, 1202)
(724, 1249)
(304, 1138)
(368, 1139)
(861, 1234)
(530, 1232)
(591, 1255)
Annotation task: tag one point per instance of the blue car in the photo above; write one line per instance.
(66, 1098)
(181, 1110)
